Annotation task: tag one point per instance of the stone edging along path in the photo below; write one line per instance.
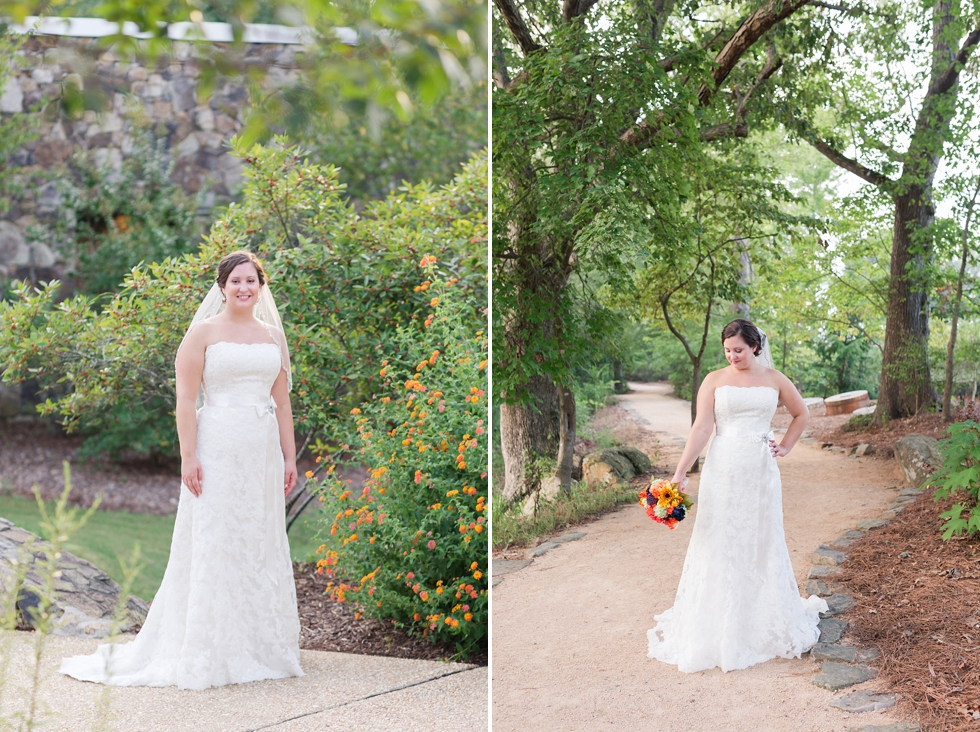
(842, 666)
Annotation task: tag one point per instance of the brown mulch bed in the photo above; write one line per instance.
(882, 439)
(327, 625)
(918, 602)
(31, 454)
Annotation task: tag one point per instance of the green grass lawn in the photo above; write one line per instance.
(109, 535)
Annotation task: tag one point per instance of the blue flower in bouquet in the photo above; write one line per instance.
(678, 513)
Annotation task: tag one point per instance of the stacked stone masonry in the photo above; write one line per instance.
(162, 96)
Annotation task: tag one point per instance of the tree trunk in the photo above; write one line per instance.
(527, 432)
(906, 386)
(951, 346)
(566, 437)
(619, 383)
(695, 388)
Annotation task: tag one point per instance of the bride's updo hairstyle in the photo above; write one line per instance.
(748, 332)
(230, 261)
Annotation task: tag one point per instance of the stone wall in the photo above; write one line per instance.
(162, 96)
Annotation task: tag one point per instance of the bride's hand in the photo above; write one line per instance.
(191, 474)
(290, 477)
(777, 450)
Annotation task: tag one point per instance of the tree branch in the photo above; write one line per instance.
(744, 37)
(773, 64)
(724, 131)
(515, 24)
(945, 80)
(571, 9)
(501, 75)
(853, 166)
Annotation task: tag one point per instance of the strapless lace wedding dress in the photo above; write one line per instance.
(226, 611)
(737, 603)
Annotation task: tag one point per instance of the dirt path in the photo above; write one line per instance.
(569, 631)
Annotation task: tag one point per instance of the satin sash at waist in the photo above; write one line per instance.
(735, 434)
(227, 401)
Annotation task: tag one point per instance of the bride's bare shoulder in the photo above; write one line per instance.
(715, 378)
(202, 333)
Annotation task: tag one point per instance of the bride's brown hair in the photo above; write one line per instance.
(230, 261)
(748, 332)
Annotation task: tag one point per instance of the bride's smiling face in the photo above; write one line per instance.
(242, 287)
(739, 353)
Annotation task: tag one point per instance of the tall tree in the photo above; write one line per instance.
(891, 74)
(598, 110)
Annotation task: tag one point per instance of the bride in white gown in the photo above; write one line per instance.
(226, 611)
(738, 603)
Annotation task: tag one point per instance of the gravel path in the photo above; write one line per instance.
(340, 691)
(569, 630)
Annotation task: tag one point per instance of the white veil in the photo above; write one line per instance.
(265, 312)
(765, 356)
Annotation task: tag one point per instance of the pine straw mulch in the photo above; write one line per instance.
(918, 602)
(327, 625)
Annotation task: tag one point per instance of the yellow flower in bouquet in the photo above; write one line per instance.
(664, 502)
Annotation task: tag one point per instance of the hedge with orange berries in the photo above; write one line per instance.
(411, 544)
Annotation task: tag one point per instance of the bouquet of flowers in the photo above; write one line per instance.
(664, 502)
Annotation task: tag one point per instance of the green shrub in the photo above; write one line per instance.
(344, 282)
(111, 220)
(959, 474)
(412, 544)
(377, 157)
(858, 423)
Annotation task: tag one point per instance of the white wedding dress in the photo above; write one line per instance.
(737, 603)
(226, 611)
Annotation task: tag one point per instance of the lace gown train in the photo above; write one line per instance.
(737, 603)
(226, 611)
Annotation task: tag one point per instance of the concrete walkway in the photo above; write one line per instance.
(340, 691)
(569, 629)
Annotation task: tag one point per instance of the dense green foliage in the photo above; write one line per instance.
(960, 474)
(411, 545)
(343, 281)
(644, 156)
(441, 46)
(111, 220)
(377, 156)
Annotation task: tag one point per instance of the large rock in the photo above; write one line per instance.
(13, 248)
(641, 463)
(612, 465)
(86, 596)
(917, 458)
(12, 97)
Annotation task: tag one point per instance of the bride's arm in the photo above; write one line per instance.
(795, 405)
(700, 433)
(190, 367)
(284, 414)
(287, 437)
